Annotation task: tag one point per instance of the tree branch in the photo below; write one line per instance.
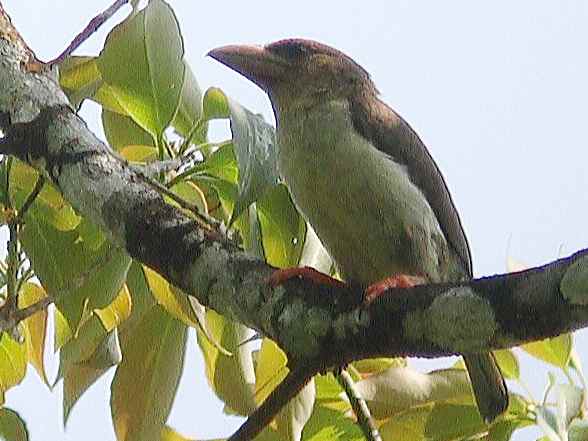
(318, 327)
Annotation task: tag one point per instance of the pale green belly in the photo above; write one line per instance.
(370, 217)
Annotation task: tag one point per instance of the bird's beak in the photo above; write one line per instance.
(253, 62)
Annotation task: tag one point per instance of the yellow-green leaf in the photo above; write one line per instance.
(215, 104)
(169, 434)
(80, 78)
(63, 332)
(221, 164)
(270, 369)
(35, 327)
(117, 312)
(190, 192)
(122, 131)
(232, 378)
(173, 300)
(555, 350)
(374, 365)
(508, 363)
(78, 375)
(78, 277)
(48, 205)
(439, 422)
(331, 425)
(138, 153)
(146, 381)
(13, 363)
(190, 109)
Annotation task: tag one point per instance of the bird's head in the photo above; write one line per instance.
(296, 72)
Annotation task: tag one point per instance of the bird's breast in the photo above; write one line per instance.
(362, 204)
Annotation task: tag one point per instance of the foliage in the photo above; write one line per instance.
(111, 313)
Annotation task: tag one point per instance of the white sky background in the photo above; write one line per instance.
(497, 90)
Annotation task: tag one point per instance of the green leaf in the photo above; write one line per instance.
(63, 332)
(190, 192)
(221, 164)
(270, 369)
(91, 234)
(78, 277)
(150, 43)
(331, 425)
(255, 147)
(502, 430)
(294, 415)
(35, 327)
(508, 363)
(399, 389)
(226, 192)
(215, 104)
(569, 404)
(117, 312)
(169, 434)
(328, 388)
(179, 305)
(174, 301)
(12, 427)
(145, 383)
(282, 229)
(555, 351)
(547, 421)
(314, 254)
(121, 131)
(232, 378)
(79, 370)
(375, 365)
(254, 144)
(434, 422)
(141, 297)
(189, 111)
(13, 363)
(91, 336)
(578, 430)
(79, 78)
(49, 205)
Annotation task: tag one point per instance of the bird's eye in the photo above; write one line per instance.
(289, 50)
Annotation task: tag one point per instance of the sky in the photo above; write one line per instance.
(496, 90)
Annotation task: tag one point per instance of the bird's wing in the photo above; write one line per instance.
(388, 132)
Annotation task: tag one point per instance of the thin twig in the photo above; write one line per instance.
(195, 169)
(12, 260)
(31, 198)
(92, 27)
(203, 219)
(19, 315)
(193, 130)
(284, 392)
(362, 412)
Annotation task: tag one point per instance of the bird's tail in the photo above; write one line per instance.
(488, 385)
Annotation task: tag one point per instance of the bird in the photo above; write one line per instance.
(364, 180)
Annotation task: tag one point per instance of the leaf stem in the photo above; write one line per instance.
(360, 408)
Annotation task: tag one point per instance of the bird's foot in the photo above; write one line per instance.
(307, 273)
(375, 290)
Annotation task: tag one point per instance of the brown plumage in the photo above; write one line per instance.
(362, 177)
